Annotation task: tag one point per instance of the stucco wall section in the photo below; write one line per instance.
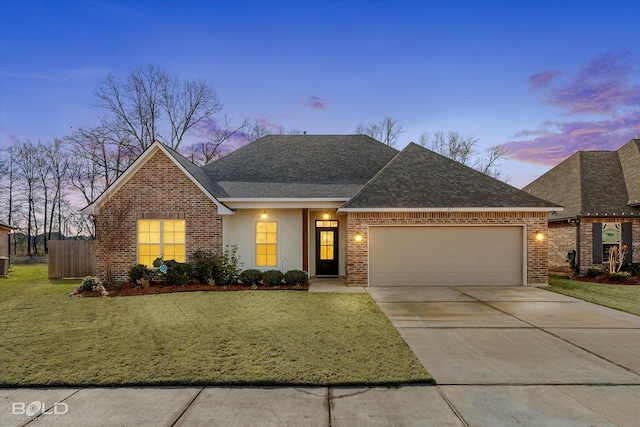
(562, 239)
(159, 190)
(358, 222)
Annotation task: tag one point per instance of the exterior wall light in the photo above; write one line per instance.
(358, 237)
(326, 215)
(539, 236)
(264, 214)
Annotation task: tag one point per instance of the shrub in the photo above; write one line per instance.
(296, 277)
(158, 262)
(178, 273)
(206, 266)
(272, 277)
(620, 276)
(595, 271)
(137, 272)
(251, 277)
(231, 266)
(89, 283)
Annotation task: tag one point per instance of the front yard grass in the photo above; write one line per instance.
(621, 297)
(197, 338)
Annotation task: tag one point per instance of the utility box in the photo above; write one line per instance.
(4, 266)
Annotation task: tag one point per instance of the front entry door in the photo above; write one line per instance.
(327, 248)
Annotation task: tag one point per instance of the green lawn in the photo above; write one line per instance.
(621, 297)
(197, 338)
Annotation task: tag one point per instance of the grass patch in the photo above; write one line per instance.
(195, 338)
(621, 297)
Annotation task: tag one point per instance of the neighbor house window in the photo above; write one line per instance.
(610, 238)
(163, 238)
(266, 243)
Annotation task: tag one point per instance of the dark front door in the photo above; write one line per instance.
(327, 249)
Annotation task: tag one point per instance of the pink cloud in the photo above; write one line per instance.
(543, 79)
(555, 141)
(600, 86)
(316, 103)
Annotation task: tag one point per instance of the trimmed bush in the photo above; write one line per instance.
(296, 277)
(206, 266)
(178, 273)
(272, 277)
(89, 283)
(620, 276)
(137, 272)
(251, 277)
(595, 271)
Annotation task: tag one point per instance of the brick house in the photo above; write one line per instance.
(600, 192)
(331, 205)
(5, 252)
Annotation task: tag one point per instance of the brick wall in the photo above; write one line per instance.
(585, 258)
(159, 190)
(562, 239)
(358, 222)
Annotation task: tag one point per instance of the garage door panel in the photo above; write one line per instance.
(445, 256)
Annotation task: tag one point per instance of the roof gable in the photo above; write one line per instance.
(594, 183)
(193, 172)
(300, 166)
(418, 178)
(630, 161)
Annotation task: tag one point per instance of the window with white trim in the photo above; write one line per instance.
(266, 244)
(163, 238)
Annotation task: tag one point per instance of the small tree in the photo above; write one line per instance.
(111, 237)
(616, 258)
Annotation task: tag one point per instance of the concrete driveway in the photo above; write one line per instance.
(526, 356)
(500, 356)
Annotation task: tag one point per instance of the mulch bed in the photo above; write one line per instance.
(129, 289)
(605, 280)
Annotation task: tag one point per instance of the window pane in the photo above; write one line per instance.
(261, 260)
(261, 237)
(271, 238)
(272, 227)
(271, 261)
(261, 227)
(271, 249)
(261, 249)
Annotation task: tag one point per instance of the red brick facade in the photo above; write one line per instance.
(358, 222)
(562, 239)
(159, 190)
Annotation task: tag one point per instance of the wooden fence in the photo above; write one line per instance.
(71, 258)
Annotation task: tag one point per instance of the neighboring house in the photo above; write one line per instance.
(600, 192)
(5, 254)
(332, 205)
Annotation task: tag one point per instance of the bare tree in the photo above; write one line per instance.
(203, 153)
(25, 156)
(463, 149)
(111, 236)
(59, 161)
(387, 130)
(151, 105)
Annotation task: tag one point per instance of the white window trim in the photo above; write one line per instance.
(161, 237)
(255, 245)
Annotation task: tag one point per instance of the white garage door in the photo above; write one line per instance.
(445, 256)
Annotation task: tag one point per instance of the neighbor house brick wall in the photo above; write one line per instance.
(585, 256)
(562, 239)
(159, 190)
(358, 222)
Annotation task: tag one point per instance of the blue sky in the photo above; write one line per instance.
(546, 78)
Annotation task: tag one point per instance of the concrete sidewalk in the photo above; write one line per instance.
(500, 356)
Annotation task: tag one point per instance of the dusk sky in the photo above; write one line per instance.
(546, 78)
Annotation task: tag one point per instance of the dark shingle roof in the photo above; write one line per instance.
(630, 162)
(592, 183)
(300, 166)
(197, 173)
(420, 178)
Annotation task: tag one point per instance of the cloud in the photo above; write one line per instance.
(543, 79)
(600, 93)
(316, 103)
(600, 86)
(555, 141)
